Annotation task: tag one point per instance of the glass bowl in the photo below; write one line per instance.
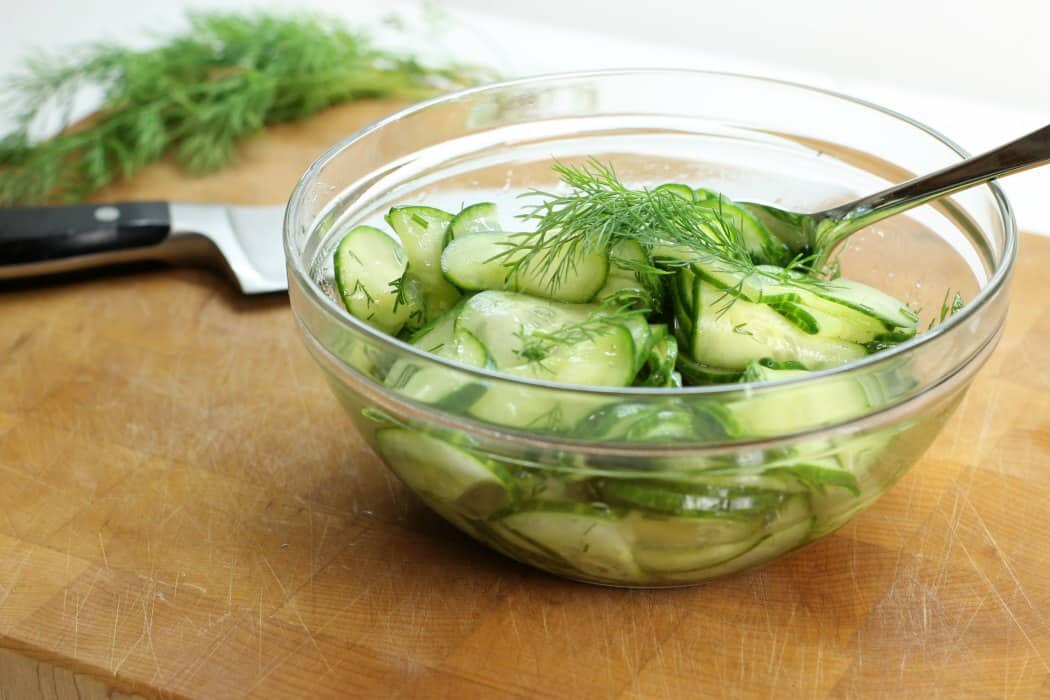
(640, 486)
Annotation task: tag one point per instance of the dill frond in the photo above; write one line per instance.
(195, 96)
(599, 210)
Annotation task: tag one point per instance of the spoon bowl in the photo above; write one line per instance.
(819, 233)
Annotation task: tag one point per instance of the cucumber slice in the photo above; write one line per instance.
(521, 548)
(791, 528)
(648, 422)
(621, 277)
(437, 470)
(614, 420)
(662, 359)
(725, 219)
(525, 407)
(669, 544)
(641, 339)
(731, 332)
(422, 232)
(701, 374)
(438, 385)
(680, 527)
(437, 332)
(482, 217)
(370, 269)
(593, 541)
(841, 309)
(468, 350)
(683, 191)
(502, 321)
(433, 385)
(478, 262)
(690, 498)
(683, 293)
(809, 406)
(761, 244)
(870, 301)
(601, 361)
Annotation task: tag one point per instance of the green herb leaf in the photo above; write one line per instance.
(196, 96)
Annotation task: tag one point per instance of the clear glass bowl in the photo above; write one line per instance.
(651, 487)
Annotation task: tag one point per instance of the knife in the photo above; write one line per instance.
(38, 241)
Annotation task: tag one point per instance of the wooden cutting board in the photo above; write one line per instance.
(185, 511)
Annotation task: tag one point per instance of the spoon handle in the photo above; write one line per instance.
(1025, 152)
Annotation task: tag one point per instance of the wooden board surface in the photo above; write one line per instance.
(185, 511)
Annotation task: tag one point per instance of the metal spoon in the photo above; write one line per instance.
(821, 232)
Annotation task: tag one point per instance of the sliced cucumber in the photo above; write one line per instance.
(522, 548)
(505, 322)
(482, 217)
(422, 233)
(683, 191)
(433, 385)
(614, 420)
(370, 273)
(437, 385)
(820, 475)
(661, 360)
(625, 421)
(690, 498)
(726, 218)
(791, 528)
(604, 360)
(841, 309)
(433, 335)
(731, 332)
(624, 259)
(641, 339)
(870, 301)
(527, 407)
(593, 541)
(479, 262)
(669, 544)
(808, 406)
(701, 374)
(439, 471)
(468, 350)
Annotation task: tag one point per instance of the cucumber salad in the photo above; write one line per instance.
(602, 285)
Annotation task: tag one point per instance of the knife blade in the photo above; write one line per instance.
(36, 241)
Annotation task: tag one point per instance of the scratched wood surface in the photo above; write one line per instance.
(184, 511)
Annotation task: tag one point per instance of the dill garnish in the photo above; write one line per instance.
(948, 309)
(195, 96)
(600, 211)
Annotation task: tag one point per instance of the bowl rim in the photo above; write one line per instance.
(994, 286)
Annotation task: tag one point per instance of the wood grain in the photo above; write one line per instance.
(184, 511)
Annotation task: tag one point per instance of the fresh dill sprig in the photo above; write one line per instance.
(599, 210)
(536, 346)
(948, 309)
(195, 97)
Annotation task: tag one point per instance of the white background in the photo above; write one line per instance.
(977, 71)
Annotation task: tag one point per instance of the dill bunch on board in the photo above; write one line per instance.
(195, 96)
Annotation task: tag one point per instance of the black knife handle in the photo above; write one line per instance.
(40, 234)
